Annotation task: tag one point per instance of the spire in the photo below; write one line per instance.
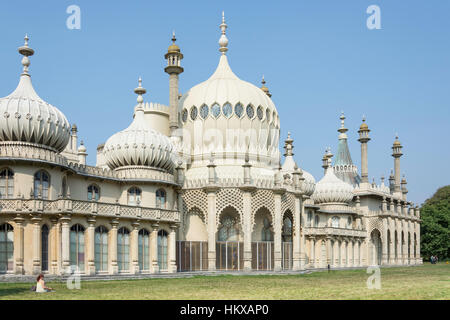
(140, 91)
(26, 51)
(264, 88)
(288, 146)
(342, 129)
(289, 162)
(223, 41)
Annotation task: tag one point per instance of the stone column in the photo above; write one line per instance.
(405, 248)
(54, 242)
(384, 244)
(312, 247)
(36, 244)
(329, 262)
(172, 249)
(298, 238)
(277, 230)
(65, 243)
(19, 245)
(90, 246)
(154, 268)
(212, 227)
(247, 225)
(134, 247)
(350, 253)
(114, 268)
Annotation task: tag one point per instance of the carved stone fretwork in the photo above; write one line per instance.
(262, 198)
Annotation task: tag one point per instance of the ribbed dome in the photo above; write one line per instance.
(24, 116)
(331, 189)
(139, 145)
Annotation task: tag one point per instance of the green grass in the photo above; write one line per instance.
(422, 282)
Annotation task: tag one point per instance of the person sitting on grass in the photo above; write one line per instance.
(40, 286)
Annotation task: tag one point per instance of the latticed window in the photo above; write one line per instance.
(215, 110)
(228, 230)
(41, 184)
(194, 112)
(335, 222)
(204, 111)
(93, 192)
(260, 113)
(44, 244)
(6, 248)
(101, 248)
(6, 183)
(184, 115)
(134, 196)
(267, 115)
(77, 246)
(250, 111)
(227, 110)
(143, 248)
(123, 249)
(239, 109)
(266, 233)
(161, 198)
(162, 249)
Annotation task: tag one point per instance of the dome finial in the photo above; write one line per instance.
(342, 129)
(26, 51)
(140, 91)
(223, 41)
(264, 88)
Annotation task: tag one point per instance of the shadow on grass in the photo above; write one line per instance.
(13, 291)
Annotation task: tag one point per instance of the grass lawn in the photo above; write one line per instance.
(422, 282)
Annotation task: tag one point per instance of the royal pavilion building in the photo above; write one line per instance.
(198, 185)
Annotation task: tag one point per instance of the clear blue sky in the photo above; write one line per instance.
(318, 58)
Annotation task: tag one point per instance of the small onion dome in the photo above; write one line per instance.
(309, 184)
(139, 144)
(331, 189)
(82, 148)
(364, 125)
(397, 142)
(173, 48)
(25, 117)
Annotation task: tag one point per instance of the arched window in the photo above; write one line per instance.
(161, 198)
(335, 222)
(77, 246)
(266, 233)
(162, 250)
(101, 249)
(123, 249)
(310, 218)
(316, 221)
(287, 230)
(44, 244)
(6, 248)
(64, 187)
(228, 230)
(134, 196)
(6, 183)
(93, 192)
(349, 222)
(143, 246)
(41, 184)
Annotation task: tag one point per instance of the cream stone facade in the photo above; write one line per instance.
(198, 185)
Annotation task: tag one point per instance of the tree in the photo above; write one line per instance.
(434, 230)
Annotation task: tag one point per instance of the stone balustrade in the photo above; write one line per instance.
(330, 231)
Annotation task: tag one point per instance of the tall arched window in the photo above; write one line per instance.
(44, 244)
(6, 248)
(349, 222)
(41, 184)
(228, 230)
(143, 252)
(134, 196)
(266, 233)
(6, 183)
(93, 192)
(316, 221)
(310, 218)
(162, 250)
(123, 249)
(161, 198)
(287, 230)
(64, 187)
(335, 222)
(77, 246)
(101, 248)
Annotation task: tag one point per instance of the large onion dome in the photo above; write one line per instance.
(230, 117)
(25, 117)
(139, 144)
(331, 189)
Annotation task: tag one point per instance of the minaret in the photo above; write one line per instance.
(173, 57)
(364, 138)
(404, 189)
(397, 153)
(326, 159)
(264, 88)
(74, 137)
(391, 182)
